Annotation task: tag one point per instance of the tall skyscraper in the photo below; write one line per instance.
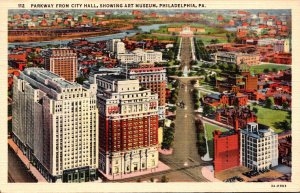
(62, 61)
(112, 44)
(55, 124)
(259, 147)
(128, 126)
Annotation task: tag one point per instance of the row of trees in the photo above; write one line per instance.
(201, 143)
(196, 98)
(201, 52)
(174, 96)
(168, 136)
(208, 110)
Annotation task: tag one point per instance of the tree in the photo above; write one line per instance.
(228, 37)
(164, 179)
(285, 105)
(255, 110)
(193, 62)
(269, 102)
(193, 81)
(285, 125)
(172, 125)
(207, 110)
(80, 79)
(197, 105)
(171, 54)
(266, 70)
(274, 70)
(180, 73)
(168, 138)
(172, 109)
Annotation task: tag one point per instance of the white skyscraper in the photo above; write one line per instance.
(111, 44)
(120, 48)
(55, 124)
(259, 147)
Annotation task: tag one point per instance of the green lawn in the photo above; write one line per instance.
(269, 117)
(206, 40)
(208, 29)
(209, 134)
(211, 128)
(260, 68)
(140, 37)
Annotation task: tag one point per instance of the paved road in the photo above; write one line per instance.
(186, 53)
(185, 151)
(16, 171)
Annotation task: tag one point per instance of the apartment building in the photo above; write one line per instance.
(62, 61)
(128, 126)
(55, 124)
(259, 147)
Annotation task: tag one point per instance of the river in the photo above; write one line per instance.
(128, 33)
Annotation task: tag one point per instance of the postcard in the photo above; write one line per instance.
(140, 96)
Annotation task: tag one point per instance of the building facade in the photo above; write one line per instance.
(235, 58)
(111, 44)
(55, 124)
(128, 129)
(226, 150)
(282, 46)
(236, 83)
(120, 48)
(62, 61)
(259, 147)
(153, 78)
(140, 55)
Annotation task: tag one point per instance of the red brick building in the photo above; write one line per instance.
(153, 78)
(62, 61)
(226, 150)
(128, 126)
(229, 116)
(11, 74)
(236, 83)
(20, 56)
(215, 100)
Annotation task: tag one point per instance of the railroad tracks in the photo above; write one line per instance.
(175, 167)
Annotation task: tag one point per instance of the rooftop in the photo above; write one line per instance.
(40, 74)
(114, 77)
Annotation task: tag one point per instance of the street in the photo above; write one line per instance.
(185, 151)
(16, 171)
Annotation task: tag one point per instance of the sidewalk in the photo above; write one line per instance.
(208, 173)
(27, 163)
(216, 122)
(161, 167)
